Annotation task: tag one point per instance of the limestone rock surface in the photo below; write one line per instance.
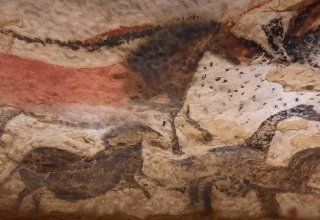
(159, 109)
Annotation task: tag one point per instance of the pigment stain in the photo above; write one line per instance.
(27, 82)
(292, 212)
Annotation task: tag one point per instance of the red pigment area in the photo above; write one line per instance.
(292, 212)
(24, 81)
(117, 32)
(310, 22)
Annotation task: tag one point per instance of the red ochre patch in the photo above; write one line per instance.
(292, 212)
(24, 82)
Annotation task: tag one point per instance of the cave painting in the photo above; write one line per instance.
(238, 169)
(163, 65)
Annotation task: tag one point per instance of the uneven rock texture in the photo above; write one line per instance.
(296, 78)
(159, 109)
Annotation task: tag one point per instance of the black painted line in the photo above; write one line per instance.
(109, 42)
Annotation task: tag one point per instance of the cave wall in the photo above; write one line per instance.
(159, 110)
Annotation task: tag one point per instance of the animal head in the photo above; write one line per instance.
(130, 133)
(167, 60)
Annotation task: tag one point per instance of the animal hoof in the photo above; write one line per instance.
(207, 137)
(146, 194)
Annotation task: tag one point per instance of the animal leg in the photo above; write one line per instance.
(32, 181)
(193, 193)
(145, 191)
(36, 201)
(200, 193)
(206, 135)
(21, 196)
(269, 205)
(134, 183)
(175, 140)
(206, 198)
